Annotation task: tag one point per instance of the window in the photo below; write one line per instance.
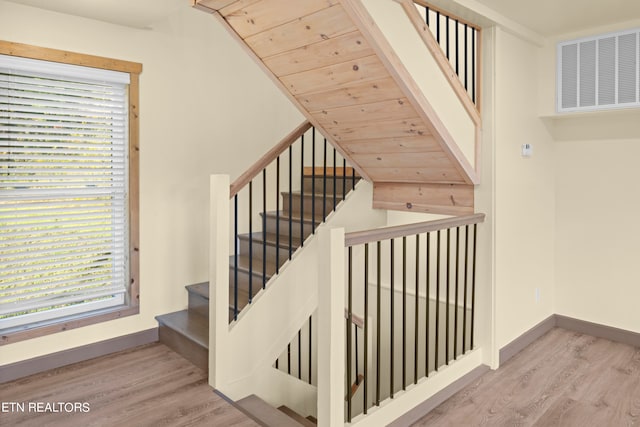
(599, 73)
(68, 190)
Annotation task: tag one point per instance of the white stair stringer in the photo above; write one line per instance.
(265, 329)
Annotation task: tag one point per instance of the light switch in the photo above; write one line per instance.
(527, 150)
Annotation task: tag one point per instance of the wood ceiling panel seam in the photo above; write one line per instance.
(294, 34)
(408, 145)
(398, 108)
(347, 96)
(335, 76)
(259, 16)
(331, 51)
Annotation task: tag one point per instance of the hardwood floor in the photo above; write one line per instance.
(564, 379)
(146, 386)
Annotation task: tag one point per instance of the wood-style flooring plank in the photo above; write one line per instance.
(146, 386)
(563, 379)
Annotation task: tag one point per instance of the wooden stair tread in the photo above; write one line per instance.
(339, 172)
(256, 265)
(299, 418)
(267, 414)
(271, 239)
(285, 215)
(191, 325)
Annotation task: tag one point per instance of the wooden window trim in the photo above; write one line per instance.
(132, 304)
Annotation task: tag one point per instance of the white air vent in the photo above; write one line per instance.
(598, 73)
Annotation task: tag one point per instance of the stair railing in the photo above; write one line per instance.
(282, 168)
(414, 287)
(458, 39)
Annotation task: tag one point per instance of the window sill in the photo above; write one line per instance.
(21, 333)
(617, 124)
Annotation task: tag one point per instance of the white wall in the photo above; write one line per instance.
(597, 204)
(204, 104)
(524, 193)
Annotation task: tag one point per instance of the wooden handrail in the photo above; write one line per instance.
(356, 320)
(267, 158)
(385, 233)
(445, 66)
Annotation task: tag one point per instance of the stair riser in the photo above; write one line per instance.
(257, 249)
(284, 227)
(320, 184)
(243, 285)
(308, 205)
(182, 345)
(198, 304)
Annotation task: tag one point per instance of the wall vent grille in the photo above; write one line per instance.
(599, 73)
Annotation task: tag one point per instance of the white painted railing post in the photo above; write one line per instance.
(331, 327)
(218, 279)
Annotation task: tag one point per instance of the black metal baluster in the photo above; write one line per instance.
(349, 327)
(455, 307)
(446, 348)
(466, 57)
(302, 190)
(353, 178)
(437, 344)
(378, 301)
(289, 358)
(427, 305)
(355, 329)
(473, 284)
(344, 178)
(277, 362)
(391, 318)
(426, 17)
(291, 201)
(417, 313)
(334, 180)
(438, 27)
(235, 258)
(473, 64)
(310, 347)
(404, 312)
(324, 184)
(264, 228)
(299, 355)
(464, 304)
(277, 214)
(250, 241)
(313, 181)
(457, 48)
(447, 39)
(366, 326)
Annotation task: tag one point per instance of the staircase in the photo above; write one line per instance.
(334, 63)
(187, 331)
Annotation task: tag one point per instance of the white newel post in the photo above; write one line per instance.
(331, 327)
(218, 278)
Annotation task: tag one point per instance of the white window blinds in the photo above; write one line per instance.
(63, 190)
